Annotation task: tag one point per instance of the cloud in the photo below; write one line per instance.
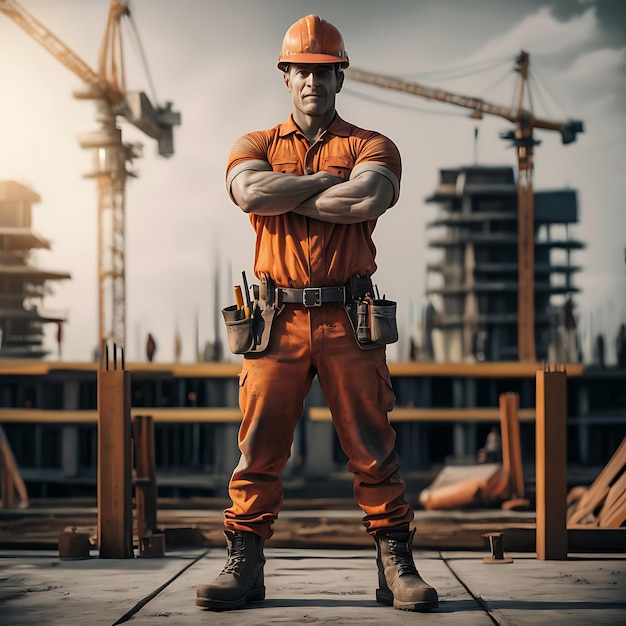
(541, 33)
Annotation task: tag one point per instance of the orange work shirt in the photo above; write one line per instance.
(298, 251)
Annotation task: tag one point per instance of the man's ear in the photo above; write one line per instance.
(286, 80)
(340, 82)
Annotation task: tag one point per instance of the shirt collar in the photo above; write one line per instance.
(337, 127)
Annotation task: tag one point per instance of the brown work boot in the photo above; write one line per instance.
(399, 581)
(241, 581)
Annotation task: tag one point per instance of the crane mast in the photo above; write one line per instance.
(107, 89)
(522, 137)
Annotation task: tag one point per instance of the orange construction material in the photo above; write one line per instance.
(462, 486)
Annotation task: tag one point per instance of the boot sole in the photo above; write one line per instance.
(255, 595)
(386, 597)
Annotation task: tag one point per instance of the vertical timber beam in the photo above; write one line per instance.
(115, 516)
(511, 443)
(145, 479)
(551, 463)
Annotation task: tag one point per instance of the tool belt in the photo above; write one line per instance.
(373, 320)
(311, 296)
(249, 334)
(357, 287)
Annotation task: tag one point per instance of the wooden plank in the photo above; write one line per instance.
(487, 369)
(419, 414)
(551, 463)
(597, 491)
(613, 499)
(114, 465)
(225, 415)
(160, 414)
(502, 369)
(616, 516)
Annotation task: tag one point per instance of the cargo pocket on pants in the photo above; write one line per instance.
(387, 397)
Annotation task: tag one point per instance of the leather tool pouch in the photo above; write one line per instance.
(374, 322)
(249, 334)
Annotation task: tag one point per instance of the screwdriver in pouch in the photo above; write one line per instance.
(238, 298)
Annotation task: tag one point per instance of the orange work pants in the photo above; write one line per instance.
(357, 388)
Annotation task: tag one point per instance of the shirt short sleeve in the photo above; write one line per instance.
(248, 153)
(379, 154)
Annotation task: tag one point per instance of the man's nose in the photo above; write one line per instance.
(313, 79)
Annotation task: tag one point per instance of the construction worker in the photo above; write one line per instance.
(314, 188)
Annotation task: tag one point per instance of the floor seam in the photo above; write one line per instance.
(497, 619)
(157, 591)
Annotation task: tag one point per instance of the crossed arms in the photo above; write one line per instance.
(365, 196)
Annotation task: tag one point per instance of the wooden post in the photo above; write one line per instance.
(551, 463)
(115, 532)
(511, 444)
(145, 476)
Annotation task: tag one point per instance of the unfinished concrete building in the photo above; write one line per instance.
(472, 284)
(23, 285)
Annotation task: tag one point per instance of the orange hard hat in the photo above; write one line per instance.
(312, 40)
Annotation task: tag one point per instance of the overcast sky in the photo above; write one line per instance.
(217, 63)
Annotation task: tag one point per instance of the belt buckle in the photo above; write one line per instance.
(312, 296)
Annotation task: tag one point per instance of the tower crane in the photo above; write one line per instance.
(107, 88)
(522, 138)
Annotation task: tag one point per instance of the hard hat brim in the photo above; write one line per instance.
(311, 59)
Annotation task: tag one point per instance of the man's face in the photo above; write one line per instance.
(313, 88)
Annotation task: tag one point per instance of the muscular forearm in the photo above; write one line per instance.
(273, 193)
(366, 197)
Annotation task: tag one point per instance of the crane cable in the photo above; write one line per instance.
(481, 66)
(542, 85)
(136, 42)
(488, 64)
(397, 105)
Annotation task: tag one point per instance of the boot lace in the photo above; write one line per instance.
(401, 555)
(236, 556)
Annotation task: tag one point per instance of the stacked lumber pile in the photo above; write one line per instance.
(603, 503)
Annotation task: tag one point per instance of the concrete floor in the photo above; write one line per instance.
(309, 586)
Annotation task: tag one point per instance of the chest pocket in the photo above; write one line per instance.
(338, 166)
(287, 167)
